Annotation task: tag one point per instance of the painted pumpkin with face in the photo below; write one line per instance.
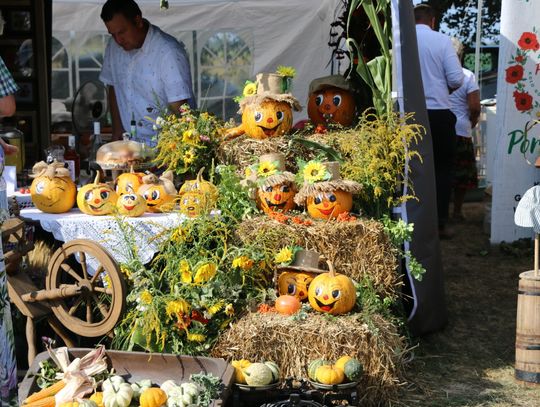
(128, 182)
(194, 203)
(332, 293)
(269, 118)
(159, 193)
(276, 198)
(97, 198)
(131, 204)
(199, 184)
(295, 283)
(331, 105)
(328, 205)
(52, 190)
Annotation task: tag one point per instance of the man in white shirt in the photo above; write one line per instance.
(145, 69)
(441, 74)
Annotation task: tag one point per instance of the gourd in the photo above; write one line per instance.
(139, 387)
(313, 365)
(328, 374)
(295, 283)
(160, 193)
(341, 362)
(239, 366)
(332, 293)
(331, 105)
(153, 397)
(168, 385)
(130, 204)
(116, 392)
(276, 198)
(353, 369)
(97, 398)
(97, 198)
(287, 304)
(328, 205)
(128, 182)
(52, 190)
(197, 196)
(201, 185)
(275, 370)
(258, 374)
(81, 403)
(181, 395)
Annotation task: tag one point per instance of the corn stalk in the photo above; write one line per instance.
(376, 73)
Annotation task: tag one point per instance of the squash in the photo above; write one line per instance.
(331, 105)
(313, 365)
(295, 283)
(269, 118)
(168, 385)
(153, 397)
(287, 304)
(139, 387)
(332, 293)
(97, 198)
(199, 184)
(276, 198)
(130, 204)
(328, 205)
(197, 196)
(52, 190)
(116, 392)
(97, 398)
(81, 403)
(160, 193)
(275, 370)
(128, 182)
(328, 374)
(353, 369)
(239, 365)
(341, 362)
(258, 374)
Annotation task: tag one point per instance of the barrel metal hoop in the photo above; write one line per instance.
(535, 294)
(527, 376)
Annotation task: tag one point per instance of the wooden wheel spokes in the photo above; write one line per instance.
(100, 304)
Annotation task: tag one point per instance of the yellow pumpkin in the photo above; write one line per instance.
(269, 118)
(153, 397)
(128, 182)
(97, 198)
(130, 204)
(53, 191)
(160, 194)
(239, 366)
(328, 205)
(332, 293)
(331, 105)
(327, 374)
(97, 398)
(199, 184)
(193, 204)
(341, 362)
(276, 198)
(295, 283)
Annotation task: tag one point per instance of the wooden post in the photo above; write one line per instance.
(536, 255)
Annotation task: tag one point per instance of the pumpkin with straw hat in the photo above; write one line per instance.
(325, 194)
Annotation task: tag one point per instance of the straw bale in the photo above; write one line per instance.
(293, 343)
(357, 249)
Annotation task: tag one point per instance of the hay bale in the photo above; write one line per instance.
(357, 249)
(293, 343)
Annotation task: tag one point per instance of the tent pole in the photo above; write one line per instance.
(478, 40)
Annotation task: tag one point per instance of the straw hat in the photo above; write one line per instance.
(271, 86)
(335, 81)
(528, 209)
(305, 260)
(332, 182)
(275, 162)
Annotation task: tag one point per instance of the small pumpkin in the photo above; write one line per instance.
(199, 184)
(332, 293)
(341, 362)
(239, 366)
(276, 198)
(52, 190)
(197, 196)
(97, 198)
(331, 105)
(97, 398)
(295, 283)
(116, 394)
(81, 403)
(159, 193)
(275, 370)
(314, 365)
(287, 304)
(153, 397)
(328, 374)
(258, 374)
(328, 205)
(353, 370)
(128, 182)
(130, 204)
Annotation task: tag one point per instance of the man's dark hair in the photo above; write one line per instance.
(128, 8)
(423, 13)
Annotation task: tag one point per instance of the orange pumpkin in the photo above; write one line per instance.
(328, 205)
(269, 118)
(160, 194)
(53, 191)
(287, 304)
(295, 283)
(276, 198)
(132, 205)
(332, 293)
(128, 182)
(331, 105)
(97, 198)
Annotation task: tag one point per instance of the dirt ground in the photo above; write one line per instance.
(471, 361)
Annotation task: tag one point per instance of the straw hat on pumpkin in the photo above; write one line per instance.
(270, 171)
(271, 86)
(304, 260)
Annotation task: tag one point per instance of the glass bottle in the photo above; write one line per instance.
(72, 158)
(96, 143)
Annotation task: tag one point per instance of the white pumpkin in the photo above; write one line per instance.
(117, 395)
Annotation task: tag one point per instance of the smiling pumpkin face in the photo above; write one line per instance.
(331, 105)
(157, 198)
(269, 118)
(332, 293)
(97, 198)
(53, 194)
(295, 283)
(276, 198)
(328, 205)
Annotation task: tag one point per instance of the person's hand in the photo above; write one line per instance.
(10, 149)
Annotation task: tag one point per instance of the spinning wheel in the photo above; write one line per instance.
(89, 305)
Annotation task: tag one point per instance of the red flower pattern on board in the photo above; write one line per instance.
(519, 59)
(529, 40)
(514, 74)
(523, 101)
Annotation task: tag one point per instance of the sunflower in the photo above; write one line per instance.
(315, 171)
(193, 337)
(284, 256)
(176, 307)
(189, 156)
(205, 273)
(244, 262)
(266, 169)
(214, 309)
(229, 310)
(185, 272)
(287, 71)
(250, 89)
(189, 137)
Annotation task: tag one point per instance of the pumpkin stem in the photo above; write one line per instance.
(330, 268)
(199, 175)
(96, 181)
(131, 169)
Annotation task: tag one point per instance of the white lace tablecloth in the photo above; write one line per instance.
(146, 232)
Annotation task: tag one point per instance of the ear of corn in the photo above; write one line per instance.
(45, 393)
(48, 401)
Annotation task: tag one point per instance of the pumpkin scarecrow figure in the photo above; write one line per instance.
(275, 186)
(52, 190)
(323, 192)
(331, 101)
(297, 275)
(266, 108)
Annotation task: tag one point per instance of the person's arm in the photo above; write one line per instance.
(473, 102)
(7, 106)
(452, 66)
(117, 128)
(8, 148)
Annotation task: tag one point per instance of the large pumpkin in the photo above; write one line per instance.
(130, 204)
(276, 198)
(160, 194)
(97, 198)
(128, 182)
(295, 283)
(53, 191)
(331, 105)
(332, 293)
(328, 205)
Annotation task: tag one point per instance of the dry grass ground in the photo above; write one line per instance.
(471, 362)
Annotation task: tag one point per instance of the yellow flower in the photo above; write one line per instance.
(178, 235)
(125, 270)
(177, 307)
(266, 169)
(185, 272)
(248, 172)
(189, 156)
(196, 337)
(284, 255)
(189, 137)
(214, 309)
(244, 262)
(205, 273)
(146, 297)
(250, 89)
(288, 71)
(229, 310)
(377, 191)
(314, 171)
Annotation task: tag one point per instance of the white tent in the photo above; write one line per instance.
(271, 32)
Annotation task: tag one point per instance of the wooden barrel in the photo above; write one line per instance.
(528, 329)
